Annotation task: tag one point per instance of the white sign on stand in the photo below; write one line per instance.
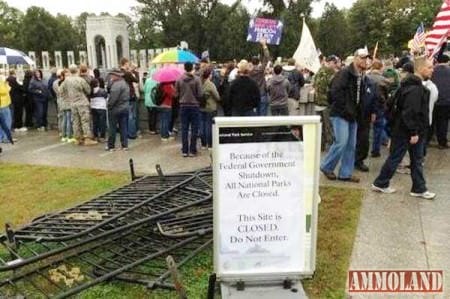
(265, 197)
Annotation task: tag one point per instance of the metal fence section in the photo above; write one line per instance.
(124, 234)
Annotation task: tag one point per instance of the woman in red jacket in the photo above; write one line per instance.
(165, 109)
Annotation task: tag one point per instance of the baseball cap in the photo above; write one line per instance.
(363, 53)
(332, 58)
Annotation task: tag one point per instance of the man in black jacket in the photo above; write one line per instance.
(244, 95)
(441, 77)
(346, 95)
(409, 131)
(17, 94)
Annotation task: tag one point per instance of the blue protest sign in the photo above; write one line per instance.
(269, 29)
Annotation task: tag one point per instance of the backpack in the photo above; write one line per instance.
(157, 94)
(392, 106)
(292, 77)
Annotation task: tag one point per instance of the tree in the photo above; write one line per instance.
(368, 21)
(10, 23)
(39, 30)
(333, 32)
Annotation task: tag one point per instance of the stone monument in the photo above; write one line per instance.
(83, 57)
(107, 41)
(143, 58)
(70, 58)
(133, 57)
(58, 60)
(32, 55)
(45, 60)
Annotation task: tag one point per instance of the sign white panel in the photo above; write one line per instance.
(260, 198)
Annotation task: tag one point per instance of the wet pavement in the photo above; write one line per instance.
(45, 148)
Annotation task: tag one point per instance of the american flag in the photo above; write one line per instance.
(419, 38)
(438, 34)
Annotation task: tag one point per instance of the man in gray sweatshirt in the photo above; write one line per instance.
(118, 102)
(278, 87)
(189, 91)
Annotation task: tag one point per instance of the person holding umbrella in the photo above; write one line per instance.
(166, 77)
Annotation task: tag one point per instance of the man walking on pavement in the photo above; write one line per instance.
(409, 131)
(346, 96)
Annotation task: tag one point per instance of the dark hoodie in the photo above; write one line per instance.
(189, 90)
(343, 94)
(411, 117)
(278, 88)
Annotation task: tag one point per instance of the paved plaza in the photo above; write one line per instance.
(395, 231)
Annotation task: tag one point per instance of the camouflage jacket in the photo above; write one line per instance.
(322, 83)
(75, 89)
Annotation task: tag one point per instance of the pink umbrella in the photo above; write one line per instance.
(167, 74)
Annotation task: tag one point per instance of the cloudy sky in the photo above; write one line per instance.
(74, 8)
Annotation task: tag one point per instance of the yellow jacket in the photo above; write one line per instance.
(5, 99)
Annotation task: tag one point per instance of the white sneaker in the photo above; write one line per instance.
(387, 190)
(425, 195)
(23, 129)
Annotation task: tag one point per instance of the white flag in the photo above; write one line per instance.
(306, 53)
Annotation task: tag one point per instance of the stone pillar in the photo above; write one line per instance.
(133, 57)
(143, 58)
(103, 53)
(58, 60)
(151, 55)
(70, 58)
(45, 60)
(83, 57)
(184, 45)
(32, 55)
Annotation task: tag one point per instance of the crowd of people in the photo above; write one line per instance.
(405, 101)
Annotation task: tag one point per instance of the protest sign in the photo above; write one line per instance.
(269, 29)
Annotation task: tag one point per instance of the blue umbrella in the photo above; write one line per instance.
(11, 56)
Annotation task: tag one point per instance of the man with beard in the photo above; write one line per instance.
(346, 97)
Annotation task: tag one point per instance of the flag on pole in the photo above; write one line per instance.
(306, 53)
(419, 38)
(375, 51)
(439, 31)
(439, 44)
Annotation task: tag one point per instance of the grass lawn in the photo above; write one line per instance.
(30, 191)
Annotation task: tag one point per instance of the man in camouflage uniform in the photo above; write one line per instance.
(322, 83)
(76, 89)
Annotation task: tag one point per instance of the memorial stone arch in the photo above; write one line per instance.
(107, 41)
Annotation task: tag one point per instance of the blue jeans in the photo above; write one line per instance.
(40, 113)
(263, 106)
(165, 116)
(5, 124)
(67, 130)
(118, 118)
(190, 117)
(379, 134)
(132, 116)
(399, 146)
(99, 122)
(206, 131)
(342, 149)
